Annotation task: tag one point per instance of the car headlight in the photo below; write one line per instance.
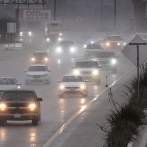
(76, 72)
(45, 75)
(82, 87)
(72, 49)
(46, 59)
(2, 107)
(60, 34)
(59, 49)
(124, 43)
(108, 44)
(30, 33)
(21, 33)
(113, 61)
(85, 46)
(59, 39)
(33, 59)
(47, 39)
(118, 43)
(95, 72)
(32, 107)
(62, 87)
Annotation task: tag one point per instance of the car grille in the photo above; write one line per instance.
(37, 76)
(104, 62)
(17, 104)
(85, 72)
(72, 87)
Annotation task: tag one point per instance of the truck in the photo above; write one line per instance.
(53, 32)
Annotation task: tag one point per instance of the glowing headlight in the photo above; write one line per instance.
(124, 43)
(20, 39)
(60, 34)
(59, 49)
(72, 49)
(92, 42)
(95, 72)
(46, 59)
(82, 86)
(108, 44)
(85, 46)
(62, 87)
(33, 59)
(113, 61)
(30, 33)
(32, 106)
(118, 43)
(47, 39)
(76, 72)
(2, 106)
(59, 39)
(21, 33)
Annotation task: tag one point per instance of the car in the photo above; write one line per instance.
(38, 73)
(25, 32)
(53, 37)
(87, 69)
(66, 48)
(92, 49)
(73, 84)
(8, 83)
(106, 59)
(40, 57)
(113, 42)
(20, 105)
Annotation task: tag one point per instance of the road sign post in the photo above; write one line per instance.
(138, 79)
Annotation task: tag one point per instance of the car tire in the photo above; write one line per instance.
(35, 121)
(3, 122)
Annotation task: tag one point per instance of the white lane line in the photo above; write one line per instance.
(49, 142)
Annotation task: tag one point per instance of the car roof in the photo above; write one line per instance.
(38, 65)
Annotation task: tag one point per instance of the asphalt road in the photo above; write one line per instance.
(54, 111)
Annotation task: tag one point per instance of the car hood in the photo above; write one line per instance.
(37, 73)
(93, 50)
(5, 87)
(72, 84)
(86, 69)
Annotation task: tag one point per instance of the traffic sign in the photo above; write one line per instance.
(79, 19)
(130, 51)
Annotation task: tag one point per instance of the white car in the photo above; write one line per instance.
(88, 69)
(38, 73)
(8, 83)
(92, 49)
(73, 84)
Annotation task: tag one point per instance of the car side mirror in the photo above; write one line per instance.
(59, 81)
(39, 99)
(86, 80)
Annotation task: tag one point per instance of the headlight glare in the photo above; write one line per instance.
(30, 33)
(48, 39)
(118, 43)
(32, 107)
(33, 59)
(113, 61)
(59, 49)
(46, 59)
(108, 44)
(82, 86)
(62, 87)
(95, 72)
(2, 107)
(72, 49)
(76, 72)
(59, 39)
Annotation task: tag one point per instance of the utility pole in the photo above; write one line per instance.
(55, 4)
(101, 12)
(115, 14)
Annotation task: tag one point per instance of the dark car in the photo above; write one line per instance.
(20, 105)
(40, 57)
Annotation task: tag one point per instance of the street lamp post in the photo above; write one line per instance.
(55, 4)
(101, 12)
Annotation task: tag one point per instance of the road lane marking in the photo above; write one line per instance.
(83, 108)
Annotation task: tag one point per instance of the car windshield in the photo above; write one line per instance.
(66, 43)
(54, 35)
(23, 29)
(40, 54)
(37, 68)
(18, 96)
(86, 65)
(7, 81)
(93, 46)
(105, 55)
(72, 79)
(111, 38)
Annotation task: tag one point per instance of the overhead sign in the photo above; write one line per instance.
(36, 15)
(11, 27)
(130, 51)
(79, 19)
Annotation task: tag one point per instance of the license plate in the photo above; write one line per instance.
(17, 115)
(72, 89)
